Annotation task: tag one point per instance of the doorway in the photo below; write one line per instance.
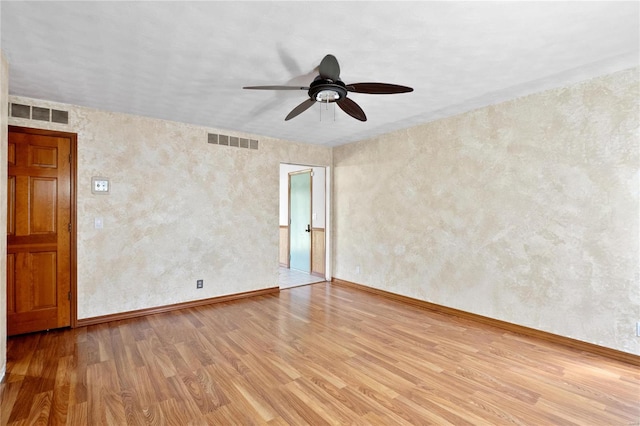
(302, 225)
(40, 230)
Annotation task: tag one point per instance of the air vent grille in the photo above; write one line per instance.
(38, 113)
(42, 114)
(233, 141)
(58, 116)
(20, 111)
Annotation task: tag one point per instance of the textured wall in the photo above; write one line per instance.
(180, 209)
(4, 94)
(525, 211)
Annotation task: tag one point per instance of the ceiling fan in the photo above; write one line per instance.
(327, 87)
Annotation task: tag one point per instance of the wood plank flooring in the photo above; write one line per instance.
(318, 354)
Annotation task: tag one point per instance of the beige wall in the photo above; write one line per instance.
(525, 211)
(179, 210)
(4, 94)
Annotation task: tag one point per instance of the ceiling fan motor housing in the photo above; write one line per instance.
(325, 90)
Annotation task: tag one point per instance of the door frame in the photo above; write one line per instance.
(73, 266)
(326, 183)
(299, 172)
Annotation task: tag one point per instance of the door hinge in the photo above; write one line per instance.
(69, 227)
(69, 296)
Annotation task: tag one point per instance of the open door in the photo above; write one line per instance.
(300, 220)
(39, 229)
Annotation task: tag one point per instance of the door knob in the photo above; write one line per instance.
(308, 228)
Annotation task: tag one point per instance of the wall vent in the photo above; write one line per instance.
(58, 116)
(233, 141)
(42, 114)
(20, 111)
(38, 113)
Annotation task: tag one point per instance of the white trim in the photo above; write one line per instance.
(327, 224)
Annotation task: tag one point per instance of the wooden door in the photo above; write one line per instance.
(38, 230)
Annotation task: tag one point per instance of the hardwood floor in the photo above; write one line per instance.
(318, 354)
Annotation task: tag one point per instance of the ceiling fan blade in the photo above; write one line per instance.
(329, 68)
(378, 88)
(352, 108)
(276, 87)
(300, 109)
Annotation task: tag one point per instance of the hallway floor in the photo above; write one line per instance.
(292, 278)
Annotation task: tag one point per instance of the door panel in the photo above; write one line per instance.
(43, 156)
(42, 206)
(300, 216)
(43, 277)
(11, 206)
(38, 231)
(11, 157)
(11, 283)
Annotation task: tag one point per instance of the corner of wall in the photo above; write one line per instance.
(524, 211)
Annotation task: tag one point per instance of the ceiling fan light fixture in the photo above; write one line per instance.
(327, 95)
(327, 91)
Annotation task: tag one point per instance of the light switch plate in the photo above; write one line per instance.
(100, 185)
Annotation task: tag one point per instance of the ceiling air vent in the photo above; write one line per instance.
(232, 141)
(38, 113)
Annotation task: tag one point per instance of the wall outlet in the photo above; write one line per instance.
(358, 270)
(199, 283)
(638, 329)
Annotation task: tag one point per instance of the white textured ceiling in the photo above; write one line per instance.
(187, 61)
